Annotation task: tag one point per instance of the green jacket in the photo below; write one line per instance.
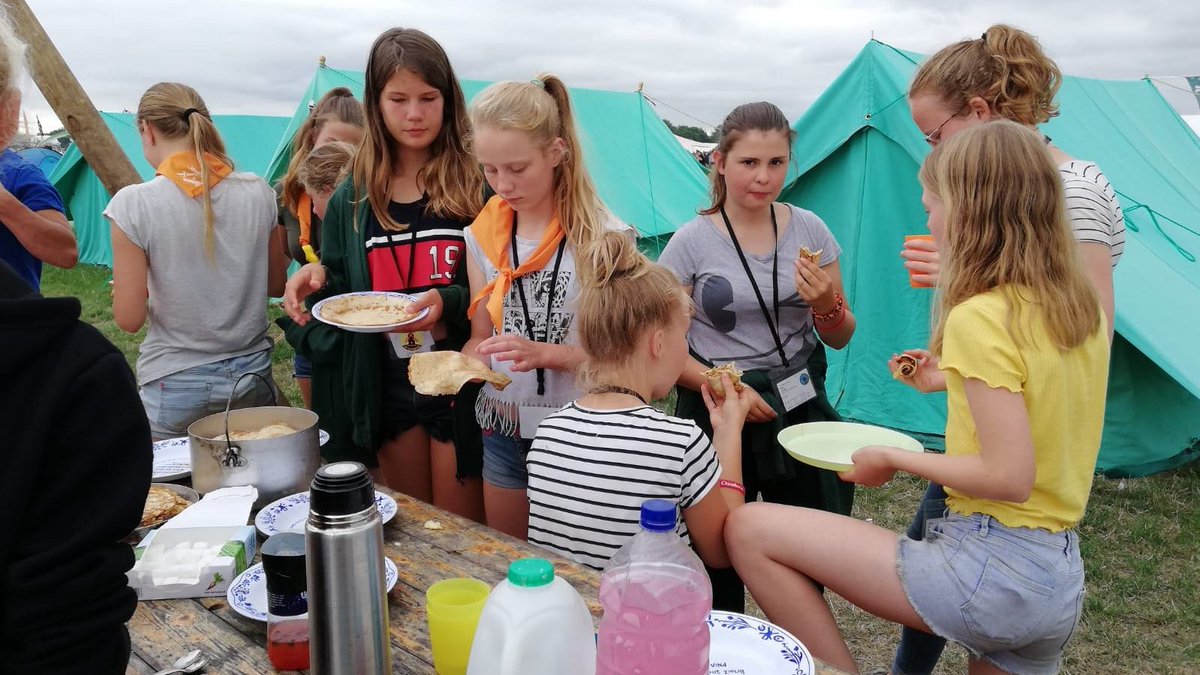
(347, 381)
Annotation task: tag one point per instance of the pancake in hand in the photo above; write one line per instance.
(444, 373)
(713, 375)
(814, 256)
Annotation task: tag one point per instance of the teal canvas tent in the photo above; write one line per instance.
(250, 141)
(857, 155)
(642, 173)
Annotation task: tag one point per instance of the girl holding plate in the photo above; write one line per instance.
(1020, 344)
(397, 225)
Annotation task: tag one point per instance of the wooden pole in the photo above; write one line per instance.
(71, 103)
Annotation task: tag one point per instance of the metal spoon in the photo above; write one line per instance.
(184, 663)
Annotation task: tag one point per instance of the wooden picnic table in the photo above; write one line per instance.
(163, 630)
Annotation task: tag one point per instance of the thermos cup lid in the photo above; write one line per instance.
(341, 488)
(283, 562)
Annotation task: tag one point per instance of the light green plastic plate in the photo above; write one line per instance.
(829, 445)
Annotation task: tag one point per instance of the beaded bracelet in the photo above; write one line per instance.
(839, 305)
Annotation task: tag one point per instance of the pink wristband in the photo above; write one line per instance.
(732, 485)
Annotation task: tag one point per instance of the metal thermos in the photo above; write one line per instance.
(347, 601)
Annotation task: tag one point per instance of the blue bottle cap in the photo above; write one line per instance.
(658, 515)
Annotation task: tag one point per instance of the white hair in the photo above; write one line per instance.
(12, 54)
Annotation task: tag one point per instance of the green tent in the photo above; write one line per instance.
(856, 160)
(249, 140)
(642, 173)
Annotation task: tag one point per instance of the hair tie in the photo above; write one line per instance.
(188, 113)
(984, 36)
(541, 84)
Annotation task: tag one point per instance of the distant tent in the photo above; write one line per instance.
(640, 170)
(858, 154)
(249, 140)
(44, 159)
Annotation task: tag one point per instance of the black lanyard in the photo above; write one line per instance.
(754, 284)
(541, 373)
(412, 251)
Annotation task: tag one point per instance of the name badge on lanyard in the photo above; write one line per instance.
(792, 382)
(531, 417)
(407, 344)
(794, 386)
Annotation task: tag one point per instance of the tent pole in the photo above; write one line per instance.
(71, 103)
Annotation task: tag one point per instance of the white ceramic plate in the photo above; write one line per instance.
(173, 457)
(318, 315)
(743, 644)
(290, 513)
(247, 595)
(829, 445)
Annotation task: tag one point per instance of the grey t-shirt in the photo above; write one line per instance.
(200, 312)
(729, 324)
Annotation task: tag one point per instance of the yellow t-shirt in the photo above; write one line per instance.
(1064, 394)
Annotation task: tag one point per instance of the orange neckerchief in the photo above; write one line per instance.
(304, 215)
(183, 170)
(493, 229)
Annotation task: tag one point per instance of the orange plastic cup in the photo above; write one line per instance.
(926, 237)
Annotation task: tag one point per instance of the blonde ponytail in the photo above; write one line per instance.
(176, 110)
(542, 109)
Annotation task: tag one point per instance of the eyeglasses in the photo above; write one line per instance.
(935, 136)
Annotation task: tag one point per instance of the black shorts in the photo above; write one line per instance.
(404, 408)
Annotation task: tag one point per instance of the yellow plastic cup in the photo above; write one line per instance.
(926, 237)
(453, 607)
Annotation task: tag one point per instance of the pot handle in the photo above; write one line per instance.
(233, 456)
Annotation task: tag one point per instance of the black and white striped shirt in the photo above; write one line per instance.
(1093, 207)
(590, 470)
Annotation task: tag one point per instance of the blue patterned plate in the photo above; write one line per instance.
(247, 595)
(318, 311)
(290, 513)
(744, 644)
(173, 457)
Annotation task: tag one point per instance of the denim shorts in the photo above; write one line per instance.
(1010, 595)
(404, 407)
(504, 460)
(173, 402)
(301, 366)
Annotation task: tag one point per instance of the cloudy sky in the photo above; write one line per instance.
(701, 57)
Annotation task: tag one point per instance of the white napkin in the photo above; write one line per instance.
(219, 508)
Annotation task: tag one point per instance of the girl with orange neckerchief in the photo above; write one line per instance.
(194, 252)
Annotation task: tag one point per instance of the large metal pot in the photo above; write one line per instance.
(277, 467)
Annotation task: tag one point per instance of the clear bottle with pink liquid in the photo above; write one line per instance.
(656, 597)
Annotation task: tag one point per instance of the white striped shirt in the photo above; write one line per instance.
(1092, 207)
(590, 470)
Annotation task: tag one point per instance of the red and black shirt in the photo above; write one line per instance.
(429, 253)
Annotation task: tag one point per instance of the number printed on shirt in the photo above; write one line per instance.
(449, 255)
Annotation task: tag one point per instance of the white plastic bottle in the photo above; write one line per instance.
(534, 623)
(656, 597)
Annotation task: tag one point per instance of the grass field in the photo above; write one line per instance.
(1140, 540)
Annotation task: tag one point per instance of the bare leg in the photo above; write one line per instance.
(404, 463)
(305, 386)
(507, 510)
(782, 552)
(462, 497)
